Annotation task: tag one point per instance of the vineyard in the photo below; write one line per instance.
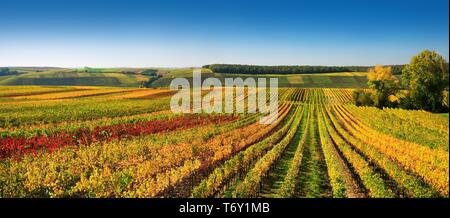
(125, 142)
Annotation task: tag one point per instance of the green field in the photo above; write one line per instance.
(111, 77)
(131, 77)
(444, 115)
(318, 80)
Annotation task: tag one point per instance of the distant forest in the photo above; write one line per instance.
(254, 69)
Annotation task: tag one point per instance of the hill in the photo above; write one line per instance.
(161, 77)
(313, 80)
(74, 77)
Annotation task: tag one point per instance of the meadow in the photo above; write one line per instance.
(93, 141)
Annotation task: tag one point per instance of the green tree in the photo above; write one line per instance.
(383, 83)
(426, 77)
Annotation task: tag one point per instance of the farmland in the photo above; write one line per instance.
(73, 77)
(93, 141)
(322, 80)
(132, 77)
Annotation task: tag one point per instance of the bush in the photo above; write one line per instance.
(149, 72)
(362, 98)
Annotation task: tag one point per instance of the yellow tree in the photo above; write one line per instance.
(384, 84)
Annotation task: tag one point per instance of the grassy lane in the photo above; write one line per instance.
(278, 172)
(313, 178)
(342, 179)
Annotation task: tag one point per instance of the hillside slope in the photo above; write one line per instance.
(317, 80)
(74, 78)
(124, 77)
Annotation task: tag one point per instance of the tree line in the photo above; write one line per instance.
(255, 69)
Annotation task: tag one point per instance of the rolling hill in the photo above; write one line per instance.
(133, 77)
(316, 80)
(74, 77)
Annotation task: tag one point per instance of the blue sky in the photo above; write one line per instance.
(170, 33)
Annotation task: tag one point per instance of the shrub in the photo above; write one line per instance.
(362, 98)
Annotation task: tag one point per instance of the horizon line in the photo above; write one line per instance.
(172, 67)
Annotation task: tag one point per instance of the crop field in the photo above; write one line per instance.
(68, 77)
(91, 141)
(318, 80)
(116, 77)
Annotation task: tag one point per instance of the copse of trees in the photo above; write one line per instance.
(149, 72)
(382, 84)
(254, 69)
(153, 76)
(425, 81)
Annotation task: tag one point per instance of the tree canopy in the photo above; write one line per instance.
(426, 77)
(384, 84)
